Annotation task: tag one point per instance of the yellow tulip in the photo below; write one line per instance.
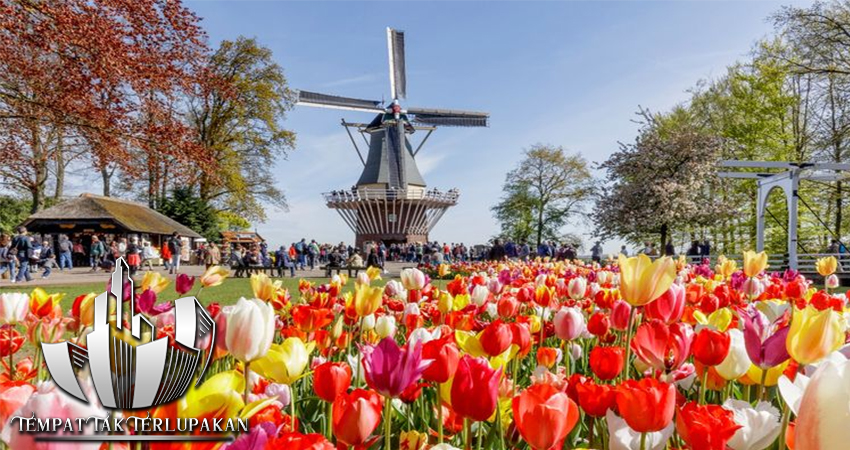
(754, 263)
(445, 303)
(753, 376)
(214, 276)
(718, 320)
(220, 396)
(154, 281)
(642, 280)
(443, 270)
(367, 299)
(43, 304)
(374, 273)
(826, 266)
(285, 362)
(725, 267)
(470, 343)
(264, 288)
(413, 440)
(814, 334)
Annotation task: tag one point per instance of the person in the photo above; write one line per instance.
(652, 250)
(301, 249)
(524, 251)
(96, 253)
(705, 249)
(569, 252)
(283, 262)
(166, 256)
(372, 260)
(647, 248)
(312, 253)
(22, 249)
(624, 251)
(596, 252)
(175, 245)
(355, 260)
(133, 254)
(8, 261)
(47, 259)
(694, 252)
(213, 255)
(79, 253)
(497, 252)
(148, 255)
(65, 249)
(669, 249)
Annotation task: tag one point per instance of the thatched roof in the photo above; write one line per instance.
(132, 216)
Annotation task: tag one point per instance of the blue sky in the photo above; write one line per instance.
(564, 73)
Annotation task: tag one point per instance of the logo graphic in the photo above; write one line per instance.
(137, 375)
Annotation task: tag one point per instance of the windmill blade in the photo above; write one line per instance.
(398, 77)
(336, 102)
(449, 117)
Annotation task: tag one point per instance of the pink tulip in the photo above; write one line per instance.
(577, 287)
(13, 394)
(669, 307)
(390, 369)
(184, 283)
(569, 323)
(663, 347)
(824, 408)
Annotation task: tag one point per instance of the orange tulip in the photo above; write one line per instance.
(544, 416)
(356, 415)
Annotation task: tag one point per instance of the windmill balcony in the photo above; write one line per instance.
(343, 198)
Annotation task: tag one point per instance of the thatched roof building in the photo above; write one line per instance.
(94, 214)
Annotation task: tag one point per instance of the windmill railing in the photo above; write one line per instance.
(354, 195)
(777, 262)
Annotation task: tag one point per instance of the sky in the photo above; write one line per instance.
(567, 73)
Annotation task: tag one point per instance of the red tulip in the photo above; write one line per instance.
(331, 379)
(521, 338)
(356, 415)
(711, 347)
(496, 338)
(647, 405)
(662, 347)
(620, 313)
(599, 324)
(445, 355)
(507, 306)
(607, 362)
(308, 318)
(547, 356)
(705, 427)
(184, 283)
(11, 340)
(669, 307)
(475, 388)
(596, 399)
(544, 416)
(298, 441)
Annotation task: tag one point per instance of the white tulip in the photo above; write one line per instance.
(737, 362)
(385, 326)
(250, 329)
(823, 420)
(621, 437)
(479, 295)
(760, 426)
(14, 307)
(368, 322)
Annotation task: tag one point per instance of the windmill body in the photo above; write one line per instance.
(391, 202)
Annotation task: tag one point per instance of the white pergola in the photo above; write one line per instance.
(785, 176)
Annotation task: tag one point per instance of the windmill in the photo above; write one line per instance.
(390, 201)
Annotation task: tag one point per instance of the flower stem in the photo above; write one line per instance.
(628, 344)
(293, 396)
(388, 417)
(11, 354)
(703, 386)
(439, 415)
(643, 441)
(246, 374)
(329, 421)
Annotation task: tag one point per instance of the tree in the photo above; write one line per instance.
(546, 189)
(13, 211)
(191, 210)
(661, 182)
(238, 116)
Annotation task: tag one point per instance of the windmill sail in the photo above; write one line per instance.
(398, 75)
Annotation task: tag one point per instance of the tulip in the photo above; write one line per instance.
(153, 281)
(765, 348)
(184, 283)
(569, 323)
(711, 347)
(647, 405)
(13, 395)
(662, 347)
(620, 313)
(621, 437)
(642, 280)
(413, 279)
(330, 380)
(479, 295)
(705, 427)
(759, 426)
(544, 416)
(14, 307)
(521, 338)
(250, 329)
(607, 362)
(599, 324)
(496, 338)
(445, 356)
(736, 363)
(832, 281)
(264, 288)
(669, 307)
(83, 309)
(385, 326)
(754, 263)
(390, 369)
(596, 399)
(43, 304)
(309, 319)
(814, 334)
(577, 287)
(725, 267)
(507, 306)
(214, 276)
(413, 440)
(285, 362)
(355, 416)
(826, 266)
(822, 421)
(11, 340)
(367, 299)
(474, 393)
(298, 441)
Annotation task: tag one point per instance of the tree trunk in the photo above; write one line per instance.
(838, 206)
(539, 226)
(106, 176)
(39, 162)
(664, 232)
(60, 171)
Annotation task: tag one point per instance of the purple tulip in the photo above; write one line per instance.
(765, 343)
(390, 369)
(146, 303)
(184, 283)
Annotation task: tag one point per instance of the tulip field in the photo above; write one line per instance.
(632, 354)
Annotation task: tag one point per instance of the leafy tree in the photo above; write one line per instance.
(238, 116)
(13, 211)
(546, 189)
(186, 207)
(662, 181)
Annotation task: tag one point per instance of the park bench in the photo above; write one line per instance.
(329, 269)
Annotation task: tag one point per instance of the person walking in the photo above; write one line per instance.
(8, 261)
(22, 249)
(134, 259)
(96, 253)
(212, 257)
(47, 259)
(175, 246)
(65, 249)
(596, 252)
